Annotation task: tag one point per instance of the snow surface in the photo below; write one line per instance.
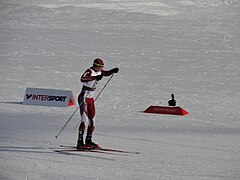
(187, 47)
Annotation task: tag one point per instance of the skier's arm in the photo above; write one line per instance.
(87, 76)
(110, 72)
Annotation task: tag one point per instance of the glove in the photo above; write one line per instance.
(99, 77)
(115, 70)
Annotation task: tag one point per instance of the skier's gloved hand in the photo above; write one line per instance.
(115, 70)
(99, 77)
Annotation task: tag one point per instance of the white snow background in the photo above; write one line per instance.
(187, 47)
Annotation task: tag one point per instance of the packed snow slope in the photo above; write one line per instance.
(187, 47)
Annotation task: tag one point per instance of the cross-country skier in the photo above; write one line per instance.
(90, 79)
(172, 102)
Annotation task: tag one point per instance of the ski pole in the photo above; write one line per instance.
(97, 97)
(66, 122)
(71, 116)
(104, 87)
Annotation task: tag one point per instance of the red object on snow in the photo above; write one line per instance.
(70, 103)
(166, 110)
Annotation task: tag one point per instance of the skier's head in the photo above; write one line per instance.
(172, 95)
(98, 63)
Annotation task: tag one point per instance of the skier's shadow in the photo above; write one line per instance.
(44, 150)
(23, 149)
(88, 156)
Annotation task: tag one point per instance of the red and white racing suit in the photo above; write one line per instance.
(86, 100)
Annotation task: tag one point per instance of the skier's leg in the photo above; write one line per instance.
(82, 124)
(91, 124)
(91, 115)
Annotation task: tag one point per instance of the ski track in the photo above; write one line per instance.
(186, 47)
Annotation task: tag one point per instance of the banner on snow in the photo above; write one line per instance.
(48, 97)
(166, 110)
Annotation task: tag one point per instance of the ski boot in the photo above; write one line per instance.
(80, 145)
(90, 143)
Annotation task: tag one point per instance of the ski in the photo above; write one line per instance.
(104, 149)
(117, 150)
(68, 151)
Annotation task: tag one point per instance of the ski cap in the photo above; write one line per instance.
(98, 62)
